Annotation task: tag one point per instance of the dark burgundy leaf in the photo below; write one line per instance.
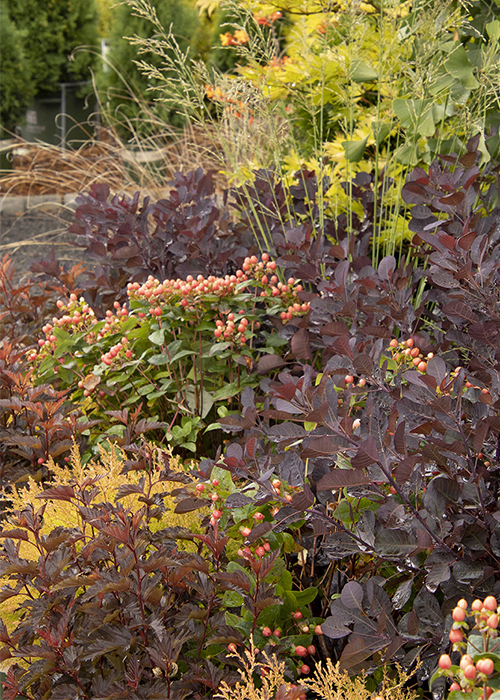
(367, 454)
(269, 362)
(300, 345)
(363, 364)
(189, 504)
(352, 595)
(340, 478)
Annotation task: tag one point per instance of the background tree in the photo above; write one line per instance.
(13, 64)
(52, 30)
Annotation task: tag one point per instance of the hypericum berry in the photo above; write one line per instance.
(490, 603)
(410, 343)
(462, 603)
(456, 636)
(232, 648)
(470, 672)
(477, 605)
(486, 666)
(277, 633)
(215, 482)
(349, 379)
(492, 621)
(259, 516)
(304, 669)
(356, 423)
(267, 631)
(455, 686)
(260, 551)
(318, 630)
(216, 514)
(300, 650)
(311, 649)
(394, 343)
(458, 614)
(246, 531)
(297, 615)
(465, 661)
(200, 488)
(444, 662)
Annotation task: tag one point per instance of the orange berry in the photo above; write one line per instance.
(414, 352)
(465, 661)
(462, 603)
(490, 603)
(349, 379)
(410, 343)
(477, 605)
(458, 614)
(394, 343)
(456, 636)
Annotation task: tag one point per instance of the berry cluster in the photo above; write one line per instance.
(408, 352)
(77, 316)
(473, 671)
(235, 329)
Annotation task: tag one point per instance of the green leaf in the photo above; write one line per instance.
(232, 599)
(493, 30)
(217, 348)
(227, 391)
(354, 150)
(213, 426)
(416, 116)
(381, 131)
(182, 353)
(363, 73)
(459, 66)
(157, 337)
(159, 359)
(307, 596)
(234, 621)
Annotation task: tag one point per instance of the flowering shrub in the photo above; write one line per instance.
(178, 346)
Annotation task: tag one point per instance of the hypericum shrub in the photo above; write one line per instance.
(112, 602)
(179, 348)
(474, 634)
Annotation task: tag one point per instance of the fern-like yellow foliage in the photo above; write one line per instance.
(328, 682)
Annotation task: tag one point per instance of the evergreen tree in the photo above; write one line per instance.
(15, 76)
(52, 29)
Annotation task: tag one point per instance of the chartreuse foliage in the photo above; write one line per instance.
(344, 89)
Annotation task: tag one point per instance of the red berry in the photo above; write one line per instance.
(260, 551)
(454, 686)
(304, 669)
(490, 603)
(216, 514)
(462, 603)
(277, 633)
(297, 615)
(200, 488)
(477, 605)
(444, 661)
(232, 647)
(349, 379)
(465, 661)
(318, 630)
(486, 666)
(301, 651)
(267, 632)
(311, 649)
(394, 343)
(215, 482)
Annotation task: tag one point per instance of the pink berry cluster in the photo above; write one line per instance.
(470, 674)
(215, 499)
(118, 351)
(236, 328)
(77, 316)
(191, 292)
